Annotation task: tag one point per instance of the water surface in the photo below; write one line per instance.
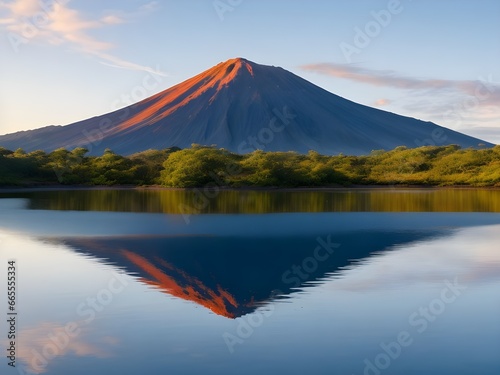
(344, 282)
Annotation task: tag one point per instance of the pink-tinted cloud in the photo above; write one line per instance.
(485, 90)
(58, 24)
(39, 345)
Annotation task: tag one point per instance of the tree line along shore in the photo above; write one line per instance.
(199, 166)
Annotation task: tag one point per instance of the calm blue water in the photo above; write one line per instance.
(113, 292)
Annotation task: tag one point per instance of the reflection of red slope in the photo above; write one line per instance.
(219, 301)
(165, 103)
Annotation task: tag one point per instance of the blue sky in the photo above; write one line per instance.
(67, 60)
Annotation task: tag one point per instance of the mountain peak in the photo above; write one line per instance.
(237, 60)
(234, 66)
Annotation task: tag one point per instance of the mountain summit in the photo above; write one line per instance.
(242, 106)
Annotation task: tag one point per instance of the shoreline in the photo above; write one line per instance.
(5, 189)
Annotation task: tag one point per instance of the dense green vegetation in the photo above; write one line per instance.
(75, 168)
(208, 166)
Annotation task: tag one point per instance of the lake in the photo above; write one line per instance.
(380, 281)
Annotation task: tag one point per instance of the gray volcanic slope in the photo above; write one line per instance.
(241, 106)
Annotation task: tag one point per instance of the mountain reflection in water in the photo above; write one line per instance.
(232, 276)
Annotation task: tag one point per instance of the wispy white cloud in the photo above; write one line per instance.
(383, 78)
(150, 7)
(22, 8)
(112, 19)
(455, 103)
(55, 22)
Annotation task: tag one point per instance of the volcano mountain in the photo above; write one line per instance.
(242, 106)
